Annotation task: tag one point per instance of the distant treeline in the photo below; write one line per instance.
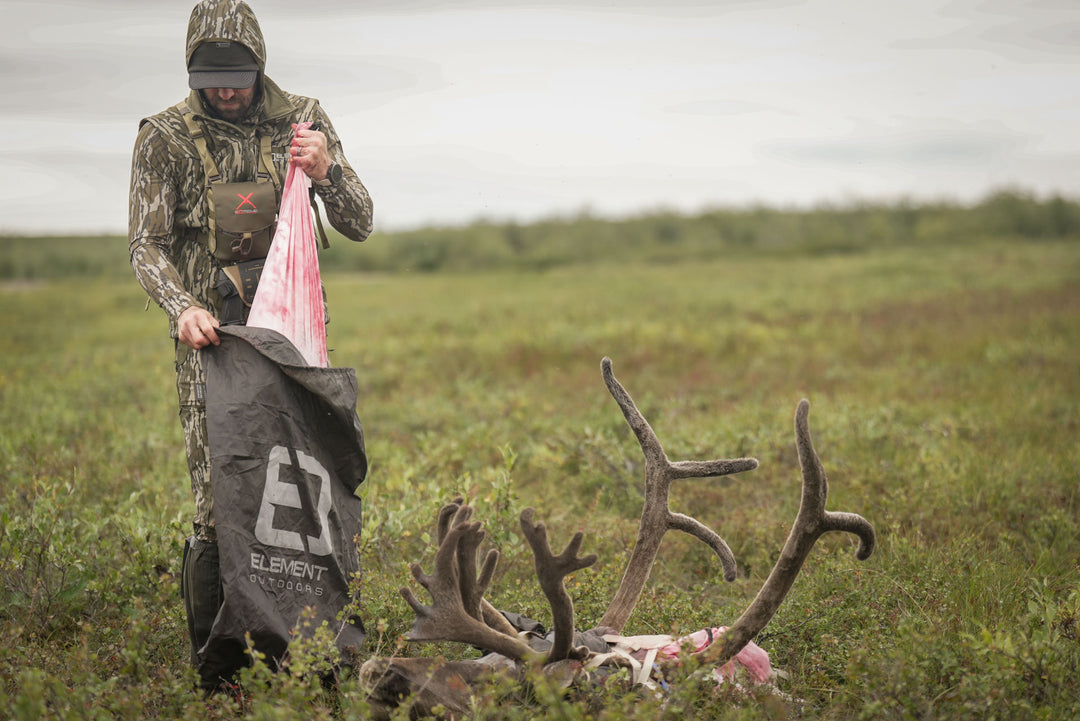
(666, 237)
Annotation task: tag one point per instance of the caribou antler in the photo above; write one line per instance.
(459, 611)
(472, 594)
(551, 570)
(656, 516)
(811, 523)
(456, 592)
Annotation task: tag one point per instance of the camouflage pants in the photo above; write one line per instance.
(191, 389)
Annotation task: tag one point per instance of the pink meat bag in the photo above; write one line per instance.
(289, 299)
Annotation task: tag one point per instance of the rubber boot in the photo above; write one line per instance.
(200, 587)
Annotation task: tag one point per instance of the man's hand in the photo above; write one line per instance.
(308, 152)
(197, 328)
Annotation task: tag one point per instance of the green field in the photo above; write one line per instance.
(944, 382)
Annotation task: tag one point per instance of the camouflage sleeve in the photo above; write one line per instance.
(150, 218)
(348, 204)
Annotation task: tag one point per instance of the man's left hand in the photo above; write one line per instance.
(308, 152)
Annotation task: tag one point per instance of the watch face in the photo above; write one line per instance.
(334, 174)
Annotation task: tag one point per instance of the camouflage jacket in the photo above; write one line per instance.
(168, 213)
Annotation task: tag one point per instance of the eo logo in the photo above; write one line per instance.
(277, 493)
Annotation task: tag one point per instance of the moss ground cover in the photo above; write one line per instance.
(944, 383)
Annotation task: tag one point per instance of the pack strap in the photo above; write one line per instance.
(213, 174)
(210, 168)
(266, 162)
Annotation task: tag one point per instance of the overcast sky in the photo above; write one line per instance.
(452, 111)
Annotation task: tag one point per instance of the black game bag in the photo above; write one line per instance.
(286, 456)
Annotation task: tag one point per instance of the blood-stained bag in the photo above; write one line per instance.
(290, 298)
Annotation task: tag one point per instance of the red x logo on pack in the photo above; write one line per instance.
(246, 200)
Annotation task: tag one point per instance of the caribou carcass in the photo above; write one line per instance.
(459, 612)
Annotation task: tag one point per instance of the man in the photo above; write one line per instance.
(205, 185)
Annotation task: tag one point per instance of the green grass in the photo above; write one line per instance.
(944, 383)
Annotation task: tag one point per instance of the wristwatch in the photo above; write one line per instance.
(333, 176)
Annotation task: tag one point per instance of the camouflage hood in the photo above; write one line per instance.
(225, 20)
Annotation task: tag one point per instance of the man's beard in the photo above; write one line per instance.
(237, 108)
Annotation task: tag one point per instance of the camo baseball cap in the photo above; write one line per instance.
(222, 64)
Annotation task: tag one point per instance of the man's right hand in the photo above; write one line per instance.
(197, 328)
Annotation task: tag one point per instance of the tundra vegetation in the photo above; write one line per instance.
(939, 346)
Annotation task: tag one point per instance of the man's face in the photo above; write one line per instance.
(230, 103)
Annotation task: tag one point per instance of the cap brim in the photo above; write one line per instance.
(222, 79)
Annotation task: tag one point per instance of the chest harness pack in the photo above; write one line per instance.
(241, 220)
